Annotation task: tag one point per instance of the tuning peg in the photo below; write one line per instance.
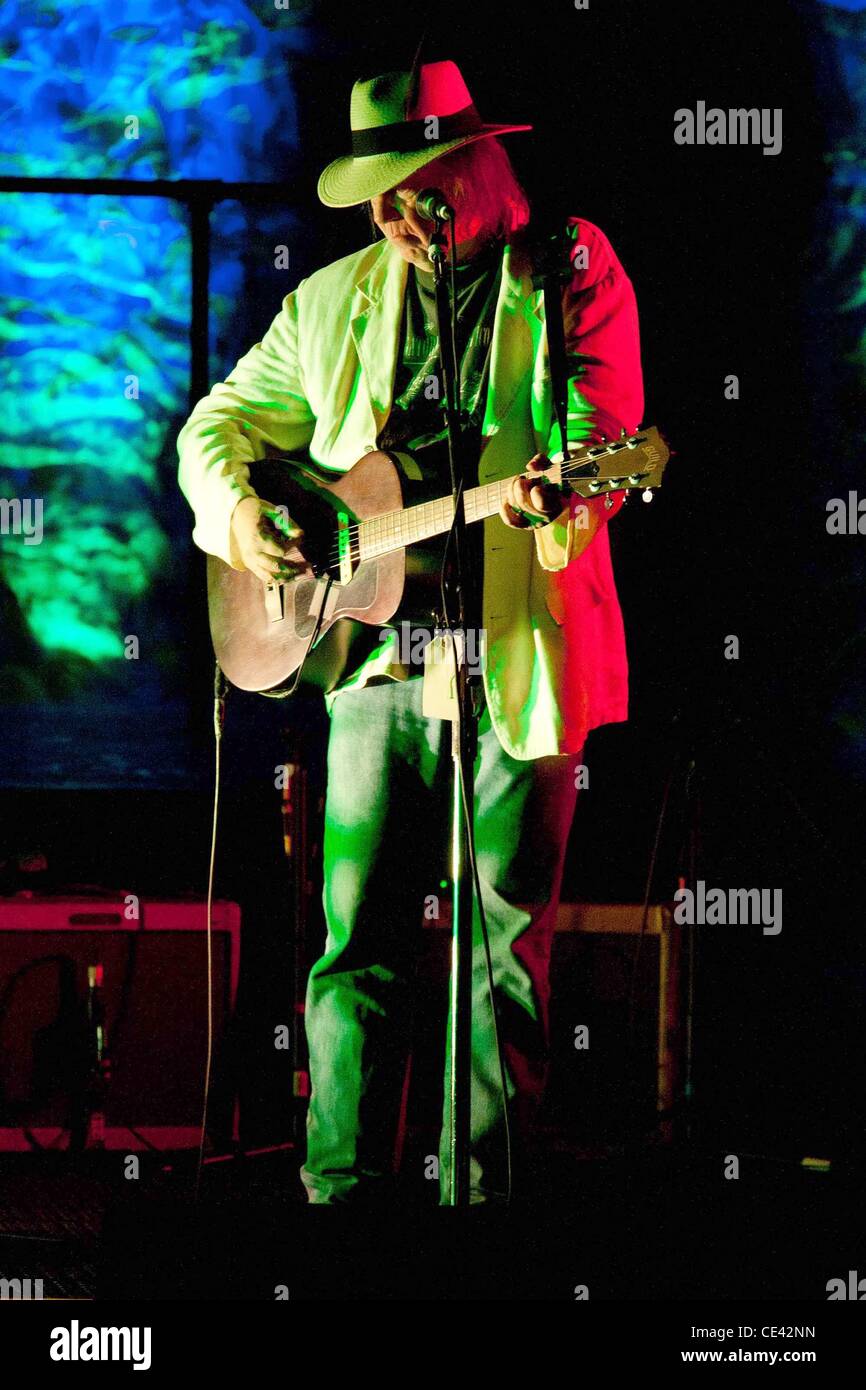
(647, 495)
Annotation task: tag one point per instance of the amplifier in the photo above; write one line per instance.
(615, 1077)
(154, 993)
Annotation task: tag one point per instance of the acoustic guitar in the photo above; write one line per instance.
(357, 531)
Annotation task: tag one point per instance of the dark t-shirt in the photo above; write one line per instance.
(416, 423)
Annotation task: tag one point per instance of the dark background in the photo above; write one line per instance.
(728, 252)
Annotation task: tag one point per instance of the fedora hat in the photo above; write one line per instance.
(400, 122)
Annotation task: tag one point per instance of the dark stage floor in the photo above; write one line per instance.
(659, 1224)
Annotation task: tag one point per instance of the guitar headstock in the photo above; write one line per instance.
(633, 461)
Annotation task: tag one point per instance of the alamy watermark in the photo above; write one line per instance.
(853, 1288)
(736, 126)
(413, 644)
(77, 1343)
(846, 516)
(22, 516)
(21, 1290)
(729, 907)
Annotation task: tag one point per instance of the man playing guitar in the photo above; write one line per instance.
(348, 367)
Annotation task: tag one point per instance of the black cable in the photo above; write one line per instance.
(219, 701)
(142, 1138)
(651, 871)
(129, 972)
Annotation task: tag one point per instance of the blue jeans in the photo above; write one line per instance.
(387, 826)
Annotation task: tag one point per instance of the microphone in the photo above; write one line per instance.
(431, 204)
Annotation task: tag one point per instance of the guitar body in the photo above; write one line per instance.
(259, 633)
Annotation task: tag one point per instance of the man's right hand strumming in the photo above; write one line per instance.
(267, 541)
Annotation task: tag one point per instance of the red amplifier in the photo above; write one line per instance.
(154, 1001)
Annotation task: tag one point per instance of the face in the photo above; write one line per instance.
(409, 233)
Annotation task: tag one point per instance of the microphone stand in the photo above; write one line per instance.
(464, 734)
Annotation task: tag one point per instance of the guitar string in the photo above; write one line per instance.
(386, 530)
(389, 523)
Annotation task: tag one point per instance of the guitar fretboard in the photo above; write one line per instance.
(634, 461)
(392, 530)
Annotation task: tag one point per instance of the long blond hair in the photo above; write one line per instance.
(483, 171)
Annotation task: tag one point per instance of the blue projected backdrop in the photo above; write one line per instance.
(94, 536)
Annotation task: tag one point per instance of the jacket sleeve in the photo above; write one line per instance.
(261, 404)
(605, 388)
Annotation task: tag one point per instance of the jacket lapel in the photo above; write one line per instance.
(516, 330)
(374, 321)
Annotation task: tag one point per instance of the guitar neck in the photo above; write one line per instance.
(632, 461)
(381, 535)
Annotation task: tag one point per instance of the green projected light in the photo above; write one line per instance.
(95, 366)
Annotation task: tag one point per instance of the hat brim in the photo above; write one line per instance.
(352, 180)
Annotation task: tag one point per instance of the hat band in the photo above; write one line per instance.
(403, 137)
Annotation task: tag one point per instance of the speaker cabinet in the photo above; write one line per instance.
(612, 1066)
(154, 993)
